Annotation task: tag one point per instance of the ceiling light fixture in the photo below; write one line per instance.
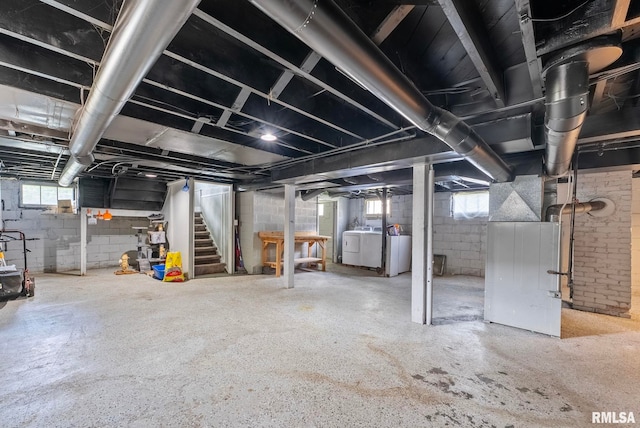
(150, 175)
(268, 137)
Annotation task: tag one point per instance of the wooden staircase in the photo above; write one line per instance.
(207, 259)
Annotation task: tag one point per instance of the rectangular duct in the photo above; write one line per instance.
(520, 200)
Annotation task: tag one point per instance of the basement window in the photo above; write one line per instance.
(33, 195)
(373, 207)
(470, 205)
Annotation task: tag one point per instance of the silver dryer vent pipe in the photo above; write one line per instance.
(567, 101)
(326, 29)
(554, 212)
(143, 30)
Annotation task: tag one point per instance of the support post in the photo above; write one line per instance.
(429, 241)
(289, 232)
(83, 241)
(383, 268)
(419, 245)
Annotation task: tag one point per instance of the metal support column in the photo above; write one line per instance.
(429, 244)
(384, 232)
(289, 232)
(83, 241)
(419, 245)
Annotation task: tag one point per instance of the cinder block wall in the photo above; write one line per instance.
(57, 247)
(602, 249)
(463, 241)
(260, 211)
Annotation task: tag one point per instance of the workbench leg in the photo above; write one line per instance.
(264, 253)
(324, 256)
(278, 259)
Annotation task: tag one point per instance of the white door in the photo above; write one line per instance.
(519, 291)
(327, 226)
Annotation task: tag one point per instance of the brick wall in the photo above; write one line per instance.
(57, 244)
(635, 249)
(602, 248)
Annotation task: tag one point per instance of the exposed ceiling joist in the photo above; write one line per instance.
(620, 10)
(390, 23)
(529, 43)
(476, 43)
(288, 65)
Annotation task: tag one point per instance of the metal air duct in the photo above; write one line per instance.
(567, 86)
(326, 29)
(142, 31)
(310, 194)
(566, 107)
(555, 211)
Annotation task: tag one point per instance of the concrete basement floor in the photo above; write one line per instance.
(336, 351)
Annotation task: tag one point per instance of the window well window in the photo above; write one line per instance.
(374, 207)
(44, 195)
(470, 205)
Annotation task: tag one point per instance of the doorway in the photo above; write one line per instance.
(214, 202)
(327, 226)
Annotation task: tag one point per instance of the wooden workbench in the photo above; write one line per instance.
(277, 239)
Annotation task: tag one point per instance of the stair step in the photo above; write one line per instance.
(207, 242)
(210, 268)
(202, 234)
(204, 251)
(207, 259)
(198, 221)
(201, 228)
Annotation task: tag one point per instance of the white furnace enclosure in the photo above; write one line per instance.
(519, 290)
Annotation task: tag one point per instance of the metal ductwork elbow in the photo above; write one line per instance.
(555, 211)
(143, 30)
(326, 29)
(310, 194)
(566, 108)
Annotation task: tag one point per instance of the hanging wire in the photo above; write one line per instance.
(560, 17)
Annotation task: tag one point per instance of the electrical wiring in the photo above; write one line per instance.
(560, 17)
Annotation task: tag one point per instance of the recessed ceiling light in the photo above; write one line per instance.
(150, 175)
(268, 137)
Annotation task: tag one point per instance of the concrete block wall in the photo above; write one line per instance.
(108, 240)
(400, 213)
(463, 242)
(602, 248)
(56, 244)
(259, 211)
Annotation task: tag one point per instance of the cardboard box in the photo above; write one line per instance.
(65, 206)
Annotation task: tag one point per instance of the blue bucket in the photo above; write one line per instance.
(158, 271)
